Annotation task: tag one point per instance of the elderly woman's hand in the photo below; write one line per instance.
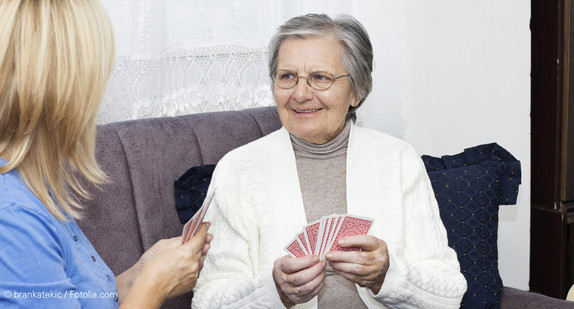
(367, 267)
(298, 279)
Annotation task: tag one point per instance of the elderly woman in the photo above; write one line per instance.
(56, 57)
(320, 163)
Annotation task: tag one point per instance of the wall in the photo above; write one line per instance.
(453, 74)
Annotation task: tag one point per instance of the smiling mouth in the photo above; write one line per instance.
(307, 111)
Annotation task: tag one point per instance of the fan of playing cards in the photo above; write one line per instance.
(191, 227)
(323, 235)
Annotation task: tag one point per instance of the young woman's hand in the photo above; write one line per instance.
(166, 270)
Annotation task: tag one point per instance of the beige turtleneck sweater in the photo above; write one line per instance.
(322, 177)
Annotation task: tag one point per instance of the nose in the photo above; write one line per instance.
(303, 77)
(303, 91)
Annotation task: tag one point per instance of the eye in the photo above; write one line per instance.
(322, 77)
(285, 75)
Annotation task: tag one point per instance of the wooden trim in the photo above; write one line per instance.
(549, 267)
(548, 261)
(567, 160)
(565, 99)
(546, 109)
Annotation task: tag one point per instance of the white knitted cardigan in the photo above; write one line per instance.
(258, 209)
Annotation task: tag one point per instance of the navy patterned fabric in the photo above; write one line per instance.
(190, 189)
(469, 188)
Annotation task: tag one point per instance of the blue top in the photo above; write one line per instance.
(45, 262)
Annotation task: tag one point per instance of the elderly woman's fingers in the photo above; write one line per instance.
(364, 242)
(314, 286)
(289, 265)
(298, 279)
(367, 267)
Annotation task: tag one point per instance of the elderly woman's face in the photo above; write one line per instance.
(313, 115)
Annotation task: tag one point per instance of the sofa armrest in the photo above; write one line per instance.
(520, 299)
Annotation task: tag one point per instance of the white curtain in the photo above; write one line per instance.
(177, 57)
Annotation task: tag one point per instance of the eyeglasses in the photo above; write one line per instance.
(317, 80)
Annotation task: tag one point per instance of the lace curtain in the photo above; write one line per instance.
(178, 57)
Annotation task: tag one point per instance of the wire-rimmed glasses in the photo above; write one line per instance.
(317, 80)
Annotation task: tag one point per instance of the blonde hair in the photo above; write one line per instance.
(57, 58)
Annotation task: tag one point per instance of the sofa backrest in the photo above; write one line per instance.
(143, 159)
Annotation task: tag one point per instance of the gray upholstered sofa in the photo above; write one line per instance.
(144, 157)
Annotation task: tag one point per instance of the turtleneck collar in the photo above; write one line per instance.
(332, 148)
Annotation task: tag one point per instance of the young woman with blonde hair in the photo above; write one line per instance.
(56, 60)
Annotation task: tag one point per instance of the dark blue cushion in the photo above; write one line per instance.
(469, 188)
(190, 189)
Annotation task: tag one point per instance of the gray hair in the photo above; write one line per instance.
(358, 52)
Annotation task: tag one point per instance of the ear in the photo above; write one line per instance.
(355, 102)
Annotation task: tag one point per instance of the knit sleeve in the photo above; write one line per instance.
(238, 270)
(425, 272)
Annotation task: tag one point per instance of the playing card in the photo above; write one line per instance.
(351, 225)
(329, 223)
(295, 249)
(191, 227)
(311, 232)
(334, 230)
(330, 234)
(318, 241)
(186, 229)
(203, 211)
(303, 243)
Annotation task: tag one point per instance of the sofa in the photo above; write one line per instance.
(144, 158)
